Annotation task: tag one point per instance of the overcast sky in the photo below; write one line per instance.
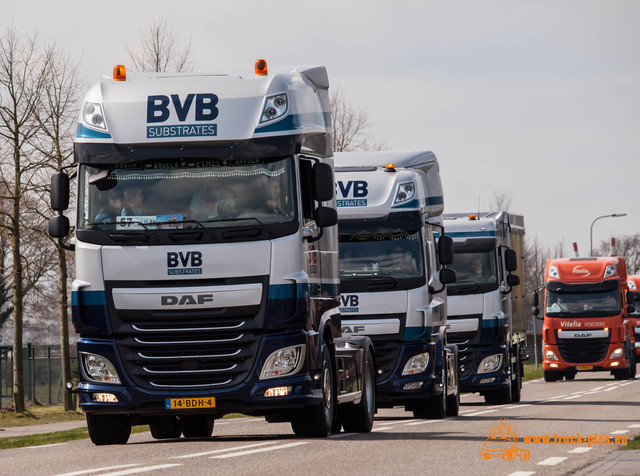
(539, 100)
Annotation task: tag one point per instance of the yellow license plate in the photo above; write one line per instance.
(584, 367)
(189, 403)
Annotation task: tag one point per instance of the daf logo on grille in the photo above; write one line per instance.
(186, 299)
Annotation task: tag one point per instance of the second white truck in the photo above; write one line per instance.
(392, 257)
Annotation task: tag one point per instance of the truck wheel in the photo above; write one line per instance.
(551, 375)
(316, 421)
(165, 428)
(197, 426)
(359, 418)
(435, 407)
(500, 397)
(109, 429)
(570, 375)
(632, 364)
(516, 385)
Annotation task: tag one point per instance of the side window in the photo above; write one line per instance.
(306, 188)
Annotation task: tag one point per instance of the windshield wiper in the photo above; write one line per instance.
(248, 230)
(384, 282)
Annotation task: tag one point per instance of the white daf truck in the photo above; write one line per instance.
(392, 278)
(486, 303)
(207, 257)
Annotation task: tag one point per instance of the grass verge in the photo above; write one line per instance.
(53, 438)
(530, 371)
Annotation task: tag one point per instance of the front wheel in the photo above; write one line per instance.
(359, 418)
(165, 428)
(109, 429)
(317, 420)
(197, 426)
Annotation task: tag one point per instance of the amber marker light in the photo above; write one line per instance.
(119, 73)
(261, 68)
(390, 168)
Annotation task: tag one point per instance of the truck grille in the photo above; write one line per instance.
(182, 350)
(582, 351)
(466, 353)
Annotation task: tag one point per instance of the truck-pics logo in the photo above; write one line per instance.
(181, 263)
(159, 110)
(581, 271)
(352, 188)
(349, 303)
(503, 443)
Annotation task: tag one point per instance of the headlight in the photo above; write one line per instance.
(553, 272)
(93, 117)
(616, 354)
(406, 192)
(416, 364)
(98, 369)
(610, 271)
(274, 108)
(550, 355)
(283, 362)
(489, 364)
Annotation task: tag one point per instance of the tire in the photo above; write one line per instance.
(197, 426)
(551, 375)
(109, 429)
(317, 420)
(632, 364)
(570, 375)
(165, 428)
(435, 407)
(359, 418)
(516, 385)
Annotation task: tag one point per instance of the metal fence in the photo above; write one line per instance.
(42, 366)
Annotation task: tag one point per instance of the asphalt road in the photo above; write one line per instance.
(593, 408)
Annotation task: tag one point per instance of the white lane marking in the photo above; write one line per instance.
(625, 384)
(251, 420)
(552, 461)
(262, 450)
(422, 422)
(397, 422)
(597, 388)
(522, 473)
(467, 411)
(235, 448)
(619, 432)
(634, 426)
(580, 449)
(609, 389)
(481, 413)
(341, 435)
(383, 428)
(572, 397)
(41, 446)
(141, 470)
(518, 406)
(97, 470)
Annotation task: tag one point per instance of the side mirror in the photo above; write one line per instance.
(323, 183)
(631, 309)
(325, 216)
(445, 250)
(59, 226)
(513, 280)
(535, 311)
(447, 276)
(510, 260)
(59, 192)
(535, 299)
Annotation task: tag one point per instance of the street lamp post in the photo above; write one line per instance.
(591, 233)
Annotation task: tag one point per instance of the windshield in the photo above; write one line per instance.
(592, 304)
(634, 301)
(476, 272)
(179, 195)
(394, 255)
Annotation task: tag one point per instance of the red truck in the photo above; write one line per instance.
(586, 318)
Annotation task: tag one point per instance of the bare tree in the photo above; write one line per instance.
(57, 118)
(351, 126)
(502, 200)
(160, 50)
(626, 246)
(22, 77)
